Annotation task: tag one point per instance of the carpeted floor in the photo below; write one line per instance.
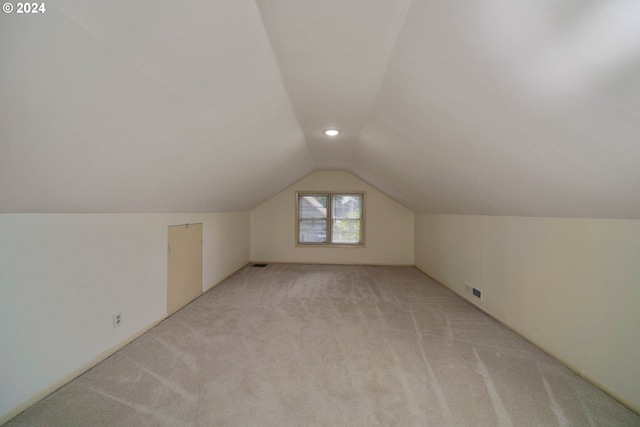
(311, 345)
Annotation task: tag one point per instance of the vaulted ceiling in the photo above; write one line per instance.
(472, 107)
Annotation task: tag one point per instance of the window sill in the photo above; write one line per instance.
(329, 245)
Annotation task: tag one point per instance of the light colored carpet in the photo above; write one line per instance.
(314, 345)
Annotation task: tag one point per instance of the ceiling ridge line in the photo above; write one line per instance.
(399, 27)
(282, 82)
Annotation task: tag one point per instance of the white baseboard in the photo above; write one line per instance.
(333, 263)
(90, 364)
(75, 374)
(577, 369)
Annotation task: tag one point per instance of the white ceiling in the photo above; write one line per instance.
(471, 107)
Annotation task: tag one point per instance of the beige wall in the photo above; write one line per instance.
(571, 286)
(388, 226)
(62, 276)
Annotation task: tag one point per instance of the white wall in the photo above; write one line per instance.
(571, 286)
(62, 276)
(388, 226)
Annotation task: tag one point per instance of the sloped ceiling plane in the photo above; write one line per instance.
(467, 107)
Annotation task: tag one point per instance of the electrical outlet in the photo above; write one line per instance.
(117, 320)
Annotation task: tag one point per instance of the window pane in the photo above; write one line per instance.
(313, 206)
(346, 231)
(347, 206)
(313, 231)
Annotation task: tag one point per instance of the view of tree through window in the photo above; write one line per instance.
(330, 219)
(347, 213)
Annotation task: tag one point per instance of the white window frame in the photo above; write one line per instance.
(329, 218)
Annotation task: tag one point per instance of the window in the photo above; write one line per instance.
(330, 219)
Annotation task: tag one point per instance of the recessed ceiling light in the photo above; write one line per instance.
(331, 132)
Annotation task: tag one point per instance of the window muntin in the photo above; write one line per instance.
(330, 219)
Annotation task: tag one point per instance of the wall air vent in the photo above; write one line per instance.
(473, 290)
(259, 265)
